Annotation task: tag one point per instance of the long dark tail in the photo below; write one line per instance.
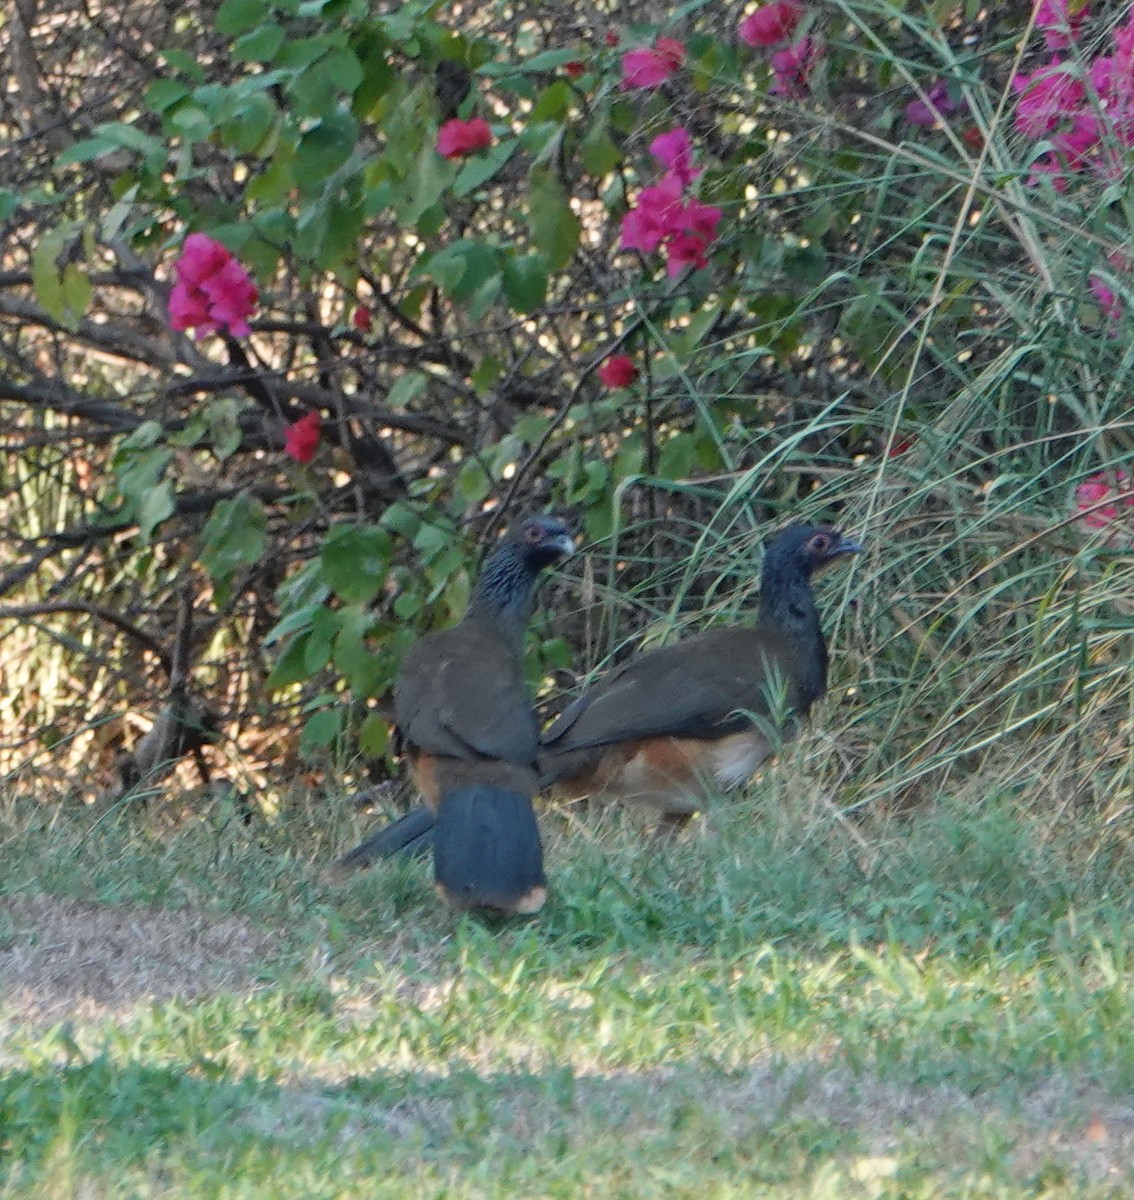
(411, 836)
(486, 849)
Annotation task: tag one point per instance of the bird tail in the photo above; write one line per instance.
(409, 836)
(486, 849)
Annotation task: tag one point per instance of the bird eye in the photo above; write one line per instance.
(820, 544)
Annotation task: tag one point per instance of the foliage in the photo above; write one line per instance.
(907, 318)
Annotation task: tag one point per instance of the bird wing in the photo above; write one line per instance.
(702, 687)
(461, 694)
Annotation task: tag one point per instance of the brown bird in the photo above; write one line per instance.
(465, 719)
(704, 712)
(708, 710)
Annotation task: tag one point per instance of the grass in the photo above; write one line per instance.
(784, 1004)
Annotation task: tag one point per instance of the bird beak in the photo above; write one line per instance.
(846, 545)
(563, 544)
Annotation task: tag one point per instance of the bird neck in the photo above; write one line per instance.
(505, 593)
(786, 601)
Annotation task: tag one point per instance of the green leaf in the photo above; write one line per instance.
(291, 666)
(482, 168)
(155, 506)
(525, 282)
(238, 16)
(165, 93)
(321, 730)
(555, 229)
(463, 267)
(553, 104)
(298, 621)
(425, 184)
(374, 736)
(325, 625)
(549, 60)
(356, 561)
(325, 147)
(261, 45)
(473, 482)
(600, 154)
(676, 458)
(9, 202)
(77, 290)
(85, 151)
(233, 536)
(407, 388)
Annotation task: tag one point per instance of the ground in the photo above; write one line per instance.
(776, 1004)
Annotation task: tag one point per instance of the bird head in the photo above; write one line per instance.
(543, 540)
(809, 547)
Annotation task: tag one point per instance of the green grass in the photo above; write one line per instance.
(784, 1004)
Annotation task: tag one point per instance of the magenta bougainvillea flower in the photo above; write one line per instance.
(302, 437)
(1060, 28)
(1085, 109)
(648, 68)
(792, 69)
(668, 219)
(771, 23)
(1047, 97)
(618, 371)
(674, 150)
(1091, 496)
(213, 291)
(457, 138)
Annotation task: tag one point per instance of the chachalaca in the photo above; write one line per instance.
(466, 722)
(706, 710)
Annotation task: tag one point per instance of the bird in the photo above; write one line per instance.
(707, 710)
(704, 711)
(465, 721)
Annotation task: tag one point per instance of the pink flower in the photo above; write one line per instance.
(659, 207)
(1047, 97)
(611, 38)
(937, 104)
(213, 290)
(791, 68)
(574, 69)
(649, 68)
(685, 249)
(1090, 494)
(457, 138)
(1060, 28)
(771, 23)
(675, 151)
(1106, 296)
(701, 219)
(1075, 142)
(618, 371)
(302, 437)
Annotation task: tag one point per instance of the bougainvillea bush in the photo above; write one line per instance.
(364, 281)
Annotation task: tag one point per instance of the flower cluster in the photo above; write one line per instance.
(649, 68)
(1082, 115)
(618, 371)
(771, 25)
(213, 291)
(301, 438)
(1099, 501)
(665, 217)
(457, 138)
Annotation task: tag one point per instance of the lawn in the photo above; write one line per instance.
(782, 1003)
